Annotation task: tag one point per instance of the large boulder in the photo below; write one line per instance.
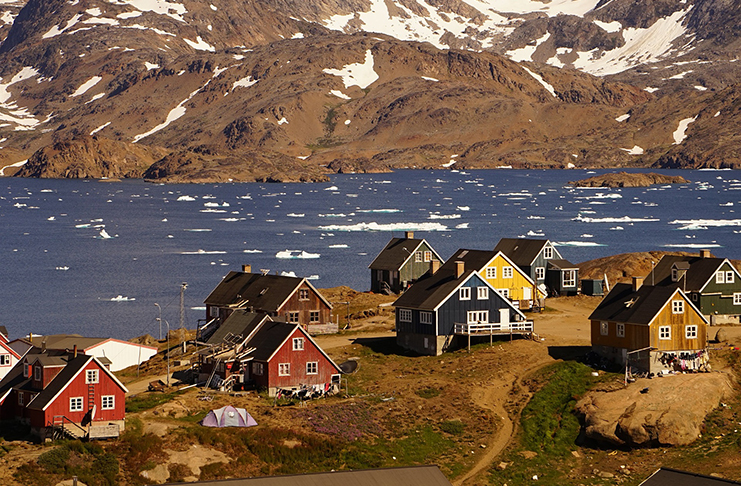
(671, 412)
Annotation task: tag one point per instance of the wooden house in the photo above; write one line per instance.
(502, 274)
(543, 263)
(650, 328)
(290, 299)
(451, 305)
(8, 356)
(401, 263)
(251, 349)
(713, 284)
(64, 394)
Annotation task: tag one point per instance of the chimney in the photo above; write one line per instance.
(43, 345)
(460, 267)
(74, 351)
(705, 254)
(435, 266)
(409, 235)
(246, 268)
(637, 282)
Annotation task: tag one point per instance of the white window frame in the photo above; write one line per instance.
(258, 369)
(284, 369)
(620, 329)
(569, 278)
(677, 307)
(720, 277)
(690, 331)
(26, 371)
(491, 272)
(665, 332)
(314, 316)
(75, 404)
(730, 277)
(428, 256)
(504, 292)
(312, 367)
(405, 315)
(675, 274)
(464, 293)
(425, 317)
(548, 252)
(5, 360)
(298, 344)
(91, 377)
(737, 298)
(37, 373)
(507, 272)
(482, 293)
(108, 402)
(604, 328)
(540, 273)
(477, 316)
(418, 257)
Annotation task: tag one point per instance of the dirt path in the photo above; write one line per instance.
(331, 341)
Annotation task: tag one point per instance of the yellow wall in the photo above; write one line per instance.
(514, 284)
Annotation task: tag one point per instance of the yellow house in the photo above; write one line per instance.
(499, 271)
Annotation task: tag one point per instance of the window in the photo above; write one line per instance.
(675, 274)
(91, 376)
(506, 272)
(737, 298)
(298, 344)
(694, 297)
(428, 256)
(730, 277)
(418, 256)
(569, 278)
(257, 369)
(464, 293)
(107, 402)
(491, 272)
(313, 317)
(75, 404)
(293, 317)
(604, 328)
(620, 330)
(37, 373)
(405, 315)
(540, 273)
(548, 252)
(677, 307)
(425, 317)
(690, 332)
(482, 293)
(26, 369)
(284, 369)
(312, 368)
(665, 332)
(20, 398)
(504, 292)
(303, 294)
(720, 277)
(4, 359)
(478, 316)
(213, 311)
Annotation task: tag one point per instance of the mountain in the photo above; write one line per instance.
(293, 90)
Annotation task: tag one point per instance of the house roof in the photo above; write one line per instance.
(432, 290)
(3, 333)
(262, 292)
(623, 304)
(674, 477)
(478, 259)
(239, 323)
(522, 251)
(72, 367)
(397, 252)
(699, 271)
(268, 339)
(398, 476)
(562, 264)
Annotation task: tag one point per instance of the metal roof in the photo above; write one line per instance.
(522, 251)
(239, 323)
(397, 252)
(623, 304)
(699, 271)
(432, 290)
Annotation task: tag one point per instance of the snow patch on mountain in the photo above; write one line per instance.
(357, 74)
(161, 7)
(526, 53)
(55, 31)
(680, 133)
(539, 79)
(200, 45)
(86, 86)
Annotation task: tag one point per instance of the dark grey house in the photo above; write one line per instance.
(401, 263)
(543, 263)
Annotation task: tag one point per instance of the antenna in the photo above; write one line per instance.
(264, 271)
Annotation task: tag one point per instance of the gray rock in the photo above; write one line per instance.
(721, 336)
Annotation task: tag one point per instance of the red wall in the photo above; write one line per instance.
(298, 360)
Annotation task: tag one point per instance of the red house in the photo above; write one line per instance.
(61, 393)
(270, 355)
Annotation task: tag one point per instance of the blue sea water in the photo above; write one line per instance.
(70, 248)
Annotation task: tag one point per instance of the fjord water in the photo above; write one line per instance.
(93, 257)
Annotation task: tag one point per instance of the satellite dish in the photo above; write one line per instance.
(349, 366)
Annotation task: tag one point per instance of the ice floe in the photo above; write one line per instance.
(373, 226)
(296, 254)
(203, 252)
(252, 251)
(576, 243)
(121, 298)
(338, 246)
(708, 222)
(693, 245)
(444, 216)
(624, 219)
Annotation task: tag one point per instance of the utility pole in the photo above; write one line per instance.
(159, 319)
(183, 286)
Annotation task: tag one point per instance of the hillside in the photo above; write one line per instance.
(289, 91)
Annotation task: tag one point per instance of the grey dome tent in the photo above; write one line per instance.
(228, 416)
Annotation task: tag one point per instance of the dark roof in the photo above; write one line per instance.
(398, 476)
(73, 366)
(4, 331)
(522, 251)
(473, 259)
(623, 304)
(255, 290)
(674, 477)
(64, 341)
(699, 272)
(268, 339)
(431, 290)
(239, 323)
(396, 252)
(561, 264)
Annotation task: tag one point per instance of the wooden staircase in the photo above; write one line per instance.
(62, 427)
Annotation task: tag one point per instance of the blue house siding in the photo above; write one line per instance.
(455, 311)
(416, 326)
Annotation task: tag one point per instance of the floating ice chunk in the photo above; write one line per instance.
(252, 251)
(186, 198)
(203, 252)
(373, 226)
(103, 235)
(379, 210)
(535, 217)
(63, 269)
(338, 246)
(216, 205)
(295, 215)
(587, 235)
(624, 219)
(616, 228)
(693, 245)
(51, 218)
(312, 277)
(296, 254)
(121, 298)
(288, 274)
(708, 222)
(576, 243)
(461, 226)
(535, 233)
(444, 216)
(197, 230)
(463, 208)
(331, 188)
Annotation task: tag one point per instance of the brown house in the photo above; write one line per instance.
(649, 328)
(290, 299)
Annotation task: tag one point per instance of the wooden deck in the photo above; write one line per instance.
(492, 329)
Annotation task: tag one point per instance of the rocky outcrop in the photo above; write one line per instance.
(624, 179)
(670, 413)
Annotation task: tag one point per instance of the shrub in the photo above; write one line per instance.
(452, 427)
(55, 460)
(428, 392)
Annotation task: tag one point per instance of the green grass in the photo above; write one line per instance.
(140, 403)
(428, 392)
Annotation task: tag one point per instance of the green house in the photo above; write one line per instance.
(401, 263)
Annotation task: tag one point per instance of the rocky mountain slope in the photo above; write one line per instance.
(286, 90)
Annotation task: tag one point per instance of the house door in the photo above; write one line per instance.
(504, 316)
(527, 293)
